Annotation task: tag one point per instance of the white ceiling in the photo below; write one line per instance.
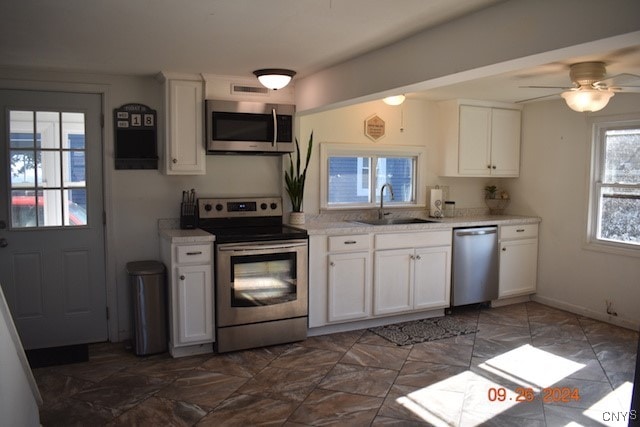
(235, 37)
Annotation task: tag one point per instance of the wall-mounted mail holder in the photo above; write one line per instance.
(135, 133)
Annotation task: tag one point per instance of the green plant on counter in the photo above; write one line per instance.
(295, 178)
(490, 191)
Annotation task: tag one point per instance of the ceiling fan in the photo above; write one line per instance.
(591, 91)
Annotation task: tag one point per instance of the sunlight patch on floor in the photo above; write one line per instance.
(441, 404)
(531, 367)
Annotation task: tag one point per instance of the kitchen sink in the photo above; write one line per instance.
(394, 221)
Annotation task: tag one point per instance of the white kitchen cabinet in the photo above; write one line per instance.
(185, 152)
(518, 260)
(349, 286)
(348, 277)
(479, 140)
(191, 308)
(411, 277)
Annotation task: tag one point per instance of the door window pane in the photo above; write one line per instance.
(73, 130)
(48, 128)
(619, 212)
(23, 168)
(48, 178)
(75, 212)
(48, 163)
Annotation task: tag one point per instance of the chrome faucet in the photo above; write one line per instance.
(381, 213)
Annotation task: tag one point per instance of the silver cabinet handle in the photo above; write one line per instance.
(195, 253)
(504, 249)
(493, 167)
(175, 161)
(520, 230)
(182, 277)
(332, 264)
(275, 127)
(350, 242)
(418, 257)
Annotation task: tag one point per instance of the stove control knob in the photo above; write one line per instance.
(208, 207)
(263, 206)
(219, 207)
(274, 205)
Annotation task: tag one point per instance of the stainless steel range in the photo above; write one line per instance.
(261, 268)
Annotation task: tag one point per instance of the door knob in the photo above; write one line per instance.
(3, 242)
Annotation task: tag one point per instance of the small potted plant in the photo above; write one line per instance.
(294, 180)
(496, 202)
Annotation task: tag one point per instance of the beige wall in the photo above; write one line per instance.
(553, 184)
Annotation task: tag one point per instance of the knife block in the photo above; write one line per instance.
(188, 219)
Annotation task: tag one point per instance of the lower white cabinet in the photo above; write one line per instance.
(193, 303)
(412, 279)
(349, 286)
(518, 260)
(191, 308)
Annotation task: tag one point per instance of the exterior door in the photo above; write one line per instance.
(52, 260)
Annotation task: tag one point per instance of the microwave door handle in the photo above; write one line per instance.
(275, 127)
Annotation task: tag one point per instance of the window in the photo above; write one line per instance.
(47, 162)
(615, 185)
(353, 175)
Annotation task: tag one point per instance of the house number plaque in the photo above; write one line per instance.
(374, 128)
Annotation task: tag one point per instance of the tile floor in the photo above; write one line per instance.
(358, 378)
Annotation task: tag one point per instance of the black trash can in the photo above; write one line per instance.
(149, 303)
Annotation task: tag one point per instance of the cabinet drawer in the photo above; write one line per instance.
(353, 242)
(413, 240)
(518, 231)
(193, 254)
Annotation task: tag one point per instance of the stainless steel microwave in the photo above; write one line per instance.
(239, 127)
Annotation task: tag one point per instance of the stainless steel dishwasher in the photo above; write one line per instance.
(475, 265)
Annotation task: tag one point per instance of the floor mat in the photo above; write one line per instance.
(418, 331)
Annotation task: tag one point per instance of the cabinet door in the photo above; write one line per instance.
(349, 286)
(194, 304)
(518, 267)
(185, 153)
(432, 282)
(505, 142)
(474, 151)
(393, 281)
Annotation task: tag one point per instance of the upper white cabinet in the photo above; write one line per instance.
(184, 139)
(479, 140)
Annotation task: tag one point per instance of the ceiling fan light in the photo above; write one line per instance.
(274, 78)
(394, 100)
(585, 99)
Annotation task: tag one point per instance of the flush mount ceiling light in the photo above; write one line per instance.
(394, 100)
(274, 78)
(585, 99)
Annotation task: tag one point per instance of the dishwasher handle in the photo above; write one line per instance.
(476, 232)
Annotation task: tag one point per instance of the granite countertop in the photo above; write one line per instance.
(349, 227)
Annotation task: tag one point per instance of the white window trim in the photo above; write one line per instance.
(349, 149)
(599, 125)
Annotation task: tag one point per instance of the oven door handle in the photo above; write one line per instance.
(260, 247)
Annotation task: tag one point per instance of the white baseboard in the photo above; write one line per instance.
(629, 324)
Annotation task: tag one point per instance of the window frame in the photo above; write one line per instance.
(600, 125)
(328, 150)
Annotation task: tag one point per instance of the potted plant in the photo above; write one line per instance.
(294, 180)
(495, 203)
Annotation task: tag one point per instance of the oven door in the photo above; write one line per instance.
(261, 281)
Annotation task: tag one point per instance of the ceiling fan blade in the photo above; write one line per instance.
(618, 80)
(626, 89)
(537, 97)
(547, 87)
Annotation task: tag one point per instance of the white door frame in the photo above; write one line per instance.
(107, 172)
